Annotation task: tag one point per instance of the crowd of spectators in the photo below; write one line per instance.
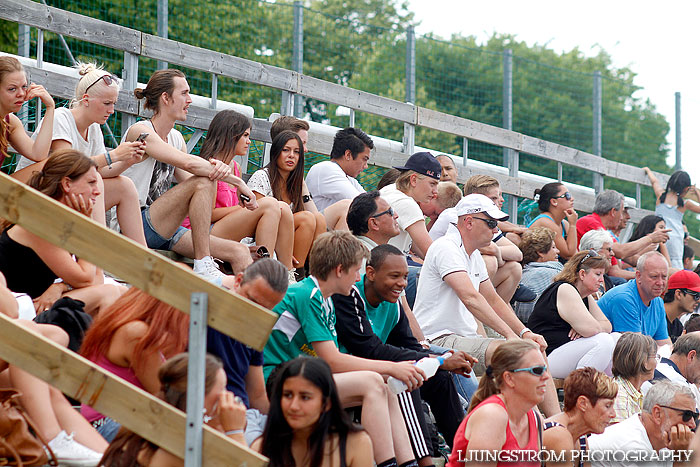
(364, 284)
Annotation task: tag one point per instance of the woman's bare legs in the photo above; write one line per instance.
(72, 421)
(263, 224)
(304, 234)
(383, 423)
(337, 215)
(285, 236)
(121, 192)
(26, 173)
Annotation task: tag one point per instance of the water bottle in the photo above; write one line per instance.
(429, 365)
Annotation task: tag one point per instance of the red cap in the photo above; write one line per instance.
(684, 280)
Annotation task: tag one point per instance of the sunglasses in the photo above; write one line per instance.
(687, 414)
(491, 223)
(692, 293)
(108, 79)
(538, 370)
(389, 211)
(566, 195)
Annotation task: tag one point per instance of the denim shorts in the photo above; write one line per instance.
(153, 239)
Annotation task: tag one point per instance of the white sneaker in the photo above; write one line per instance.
(71, 453)
(291, 277)
(208, 269)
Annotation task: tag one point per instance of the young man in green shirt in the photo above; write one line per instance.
(306, 326)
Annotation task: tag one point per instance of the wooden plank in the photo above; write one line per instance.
(70, 24)
(207, 60)
(358, 100)
(468, 129)
(134, 408)
(168, 281)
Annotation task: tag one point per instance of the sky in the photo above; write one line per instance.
(655, 40)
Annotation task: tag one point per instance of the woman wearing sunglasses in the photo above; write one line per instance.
(557, 213)
(588, 408)
(567, 316)
(78, 127)
(501, 414)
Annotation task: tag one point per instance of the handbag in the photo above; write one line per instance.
(21, 444)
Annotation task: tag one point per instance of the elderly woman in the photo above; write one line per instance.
(601, 242)
(540, 265)
(588, 408)
(576, 330)
(634, 362)
(502, 415)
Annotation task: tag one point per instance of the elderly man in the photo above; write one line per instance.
(665, 424)
(636, 306)
(683, 366)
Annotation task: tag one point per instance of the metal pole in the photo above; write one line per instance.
(678, 131)
(465, 151)
(162, 13)
(130, 75)
(298, 53)
(598, 184)
(352, 118)
(409, 131)
(195, 379)
(511, 158)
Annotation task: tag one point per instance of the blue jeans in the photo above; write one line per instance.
(412, 282)
(108, 429)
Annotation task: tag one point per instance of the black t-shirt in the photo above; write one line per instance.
(675, 329)
(545, 319)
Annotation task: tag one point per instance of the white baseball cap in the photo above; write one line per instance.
(474, 203)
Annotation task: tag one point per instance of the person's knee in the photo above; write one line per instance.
(125, 185)
(373, 385)
(493, 345)
(319, 219)
(305, 220)
(491, 264)
(269, 207)
(512, 270)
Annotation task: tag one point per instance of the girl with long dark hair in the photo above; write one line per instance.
(671, 205)
(283, 179)
(556, 205)
(647, 225)
(307, 425)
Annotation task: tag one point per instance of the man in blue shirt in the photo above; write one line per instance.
(636, 306)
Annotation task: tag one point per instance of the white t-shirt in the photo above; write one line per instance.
(438, 309)
(64, 128)
(328, 184)
(443, 223)
(260, 182)
(152, 177)
(409, 213)
(626, 436)
(672, 375)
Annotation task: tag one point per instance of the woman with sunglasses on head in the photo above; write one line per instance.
(633, 363)
(557, 213)
(588, 408)
(671, 205)
(78, 127)
(306, 424)
(283, 179)
(223, 411)
(14, 92)
(501, 414)
(228, 136)
(567, 316)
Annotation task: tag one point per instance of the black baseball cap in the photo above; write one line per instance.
(423, 163)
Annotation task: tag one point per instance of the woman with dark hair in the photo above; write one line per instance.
(32, 265)
(283, 179)
(222, 409)
(588, 408)
(501, 414)
(671, 206)
(131, 339)
(306, 425)
(634, 361)
(556, 205)
(229, 136)
(577, 332)
(647, 225)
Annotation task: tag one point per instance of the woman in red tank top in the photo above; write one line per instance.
(501, 426)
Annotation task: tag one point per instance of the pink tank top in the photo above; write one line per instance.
(125, 373)
(459, 452)
(226, 195)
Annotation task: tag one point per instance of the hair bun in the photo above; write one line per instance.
(139, 93)
(85, 68)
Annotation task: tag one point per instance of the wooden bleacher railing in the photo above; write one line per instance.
(170, 282)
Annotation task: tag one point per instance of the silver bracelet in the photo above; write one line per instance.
(523, 332)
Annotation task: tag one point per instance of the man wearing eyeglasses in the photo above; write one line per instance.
(665, 423)
(681, 298)
(454, 290)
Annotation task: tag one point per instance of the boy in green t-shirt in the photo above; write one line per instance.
(306, 325)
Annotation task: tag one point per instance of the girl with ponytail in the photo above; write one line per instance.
(501, 414)
(556, 205)
(671, 206)
(32, 265)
